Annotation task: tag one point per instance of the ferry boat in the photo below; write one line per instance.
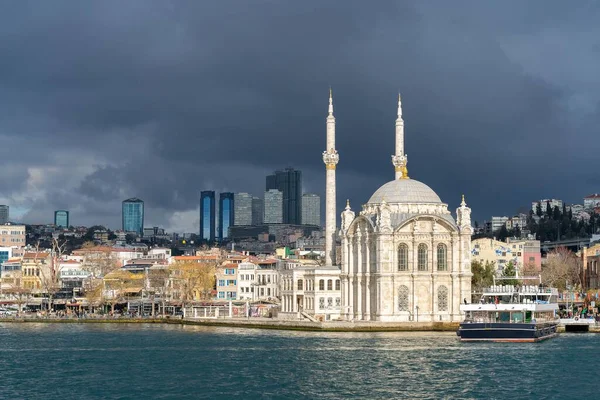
(509, 313)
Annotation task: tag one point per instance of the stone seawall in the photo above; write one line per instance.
(261, 323)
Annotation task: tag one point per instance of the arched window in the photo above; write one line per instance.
(403, 298)
(442, 259)
(337, 284)
(422, 257)
(442, 298)
(300, 284)
(403, 257)
(329, 284)
(322, 285)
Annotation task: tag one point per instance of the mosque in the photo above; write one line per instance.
(403, 257)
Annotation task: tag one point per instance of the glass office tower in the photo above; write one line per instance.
(288, 182)
(133, 216)
(61, 218)
(226, 214)
(207, 215)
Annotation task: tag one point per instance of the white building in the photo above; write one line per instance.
(311, 290)
(544, 204)
(311, 209)
(273, 207)
(404, 257)
(242, 203)
(591, 201)
(257, 282)
(498, 222)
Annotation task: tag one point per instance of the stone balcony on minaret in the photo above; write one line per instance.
(331, 158)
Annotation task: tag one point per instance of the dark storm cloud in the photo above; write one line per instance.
(160, 100)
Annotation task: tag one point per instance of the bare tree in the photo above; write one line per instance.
(193, 280)
(561, 268)
(158, 285)
(50, 273)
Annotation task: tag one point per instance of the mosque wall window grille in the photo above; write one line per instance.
(403, 257)
(300, 284)
(321, 303)
(443, 298)
(442, 259)
(321, 284)
(337, 284)
(403, 298)
(329, 284)
(422, 257)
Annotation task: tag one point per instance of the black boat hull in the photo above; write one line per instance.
(506, 332)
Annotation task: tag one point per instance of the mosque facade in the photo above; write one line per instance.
(403, 256)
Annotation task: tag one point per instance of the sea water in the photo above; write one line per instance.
(147, 361)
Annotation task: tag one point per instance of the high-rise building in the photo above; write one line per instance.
(273, 207)
(133, 215)
(207, 215)
(258, 211)
(4, 215)
(61, 218)
(311, 209)
(289, 183)
(243, 209)
(226, 214)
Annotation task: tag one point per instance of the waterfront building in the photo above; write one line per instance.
(4, 214)
(273, 207)
(226, 214)
(61, 218)
(544, 204)
(243, 209)
(311, 209)
(227, 281)
(258, 211)
(524, 254)
(207, 215)
(591, 267)
(498, 223)
(404, 256)
(310, 289)
(289, 183)
(12, 235)
(592, 201)
(133, 216)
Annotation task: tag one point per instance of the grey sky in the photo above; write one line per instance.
(102, 101)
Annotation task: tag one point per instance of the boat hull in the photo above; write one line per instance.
(506, 332)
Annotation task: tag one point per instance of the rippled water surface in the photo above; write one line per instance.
(109, 361)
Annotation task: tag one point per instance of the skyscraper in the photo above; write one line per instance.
(243, 209)
(226, 214)
(273, 207)
(258, 210)
(289, 183)
(133, 215)
(61, 218)
(207, 215)
(4, 215)
(311, 209)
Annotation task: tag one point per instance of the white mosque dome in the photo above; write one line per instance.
(406, 191)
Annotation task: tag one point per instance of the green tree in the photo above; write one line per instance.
(556, 213)
(538, 209)
(483, 275)
(502, 233)
(508, 273)
(548, 210)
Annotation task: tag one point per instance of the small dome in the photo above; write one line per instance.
(404, 191)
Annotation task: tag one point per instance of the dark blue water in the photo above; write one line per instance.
(109, 361)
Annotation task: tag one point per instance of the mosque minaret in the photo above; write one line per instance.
(330, 158)
(400, 159)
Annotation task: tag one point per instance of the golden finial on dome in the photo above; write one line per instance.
(404, 172)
